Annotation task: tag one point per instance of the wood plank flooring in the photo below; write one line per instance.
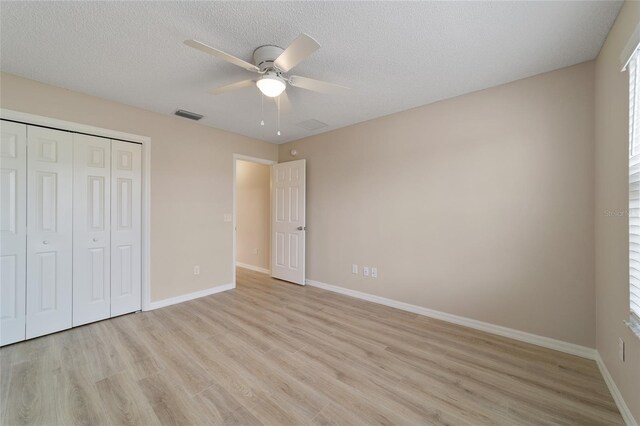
(275, 353)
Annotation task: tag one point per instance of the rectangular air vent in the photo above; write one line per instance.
(312, 124)
(188, 114)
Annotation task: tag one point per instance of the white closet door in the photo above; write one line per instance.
(126, 204)
(91, 229)
(13, 230)
(49, 231)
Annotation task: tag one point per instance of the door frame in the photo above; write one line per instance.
(145, 141)
(234, 224)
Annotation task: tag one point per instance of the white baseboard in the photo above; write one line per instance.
(253, 268)
(185, 297)
(547, 342)
(615, 393)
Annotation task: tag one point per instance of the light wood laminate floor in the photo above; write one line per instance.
(275, 353)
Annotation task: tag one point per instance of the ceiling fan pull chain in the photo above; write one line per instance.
(261, 109)
(278, 115)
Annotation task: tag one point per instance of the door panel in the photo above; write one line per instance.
(46, 270)
(49, 231)
(46, 200)
(126, 230)
(91, 229)
(288, 216)
(13, 231)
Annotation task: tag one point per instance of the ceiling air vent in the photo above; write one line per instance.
(188, 114)
(312, 124)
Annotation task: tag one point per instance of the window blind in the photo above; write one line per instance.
(634, 183)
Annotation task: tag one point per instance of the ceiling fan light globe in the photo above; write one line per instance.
(271, 85)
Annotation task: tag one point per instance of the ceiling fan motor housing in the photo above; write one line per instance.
(265, 56)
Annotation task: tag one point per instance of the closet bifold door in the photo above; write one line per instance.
(126, 227)
(91, 229)
(13, 231)
(49, 231)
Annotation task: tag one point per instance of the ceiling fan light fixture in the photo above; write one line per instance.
(271, 85)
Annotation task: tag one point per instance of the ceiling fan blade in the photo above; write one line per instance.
(299, 50)
(221, 55)
(285, 103)
(233, 86)
(315, 85)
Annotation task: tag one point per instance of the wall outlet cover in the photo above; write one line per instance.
(354, 269)
(365, 271)
(374, 272)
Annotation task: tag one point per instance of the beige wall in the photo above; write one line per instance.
(479, 206)
(191, 180)
(253, 216)
(611, 236)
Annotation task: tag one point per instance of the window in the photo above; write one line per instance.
(634, 184)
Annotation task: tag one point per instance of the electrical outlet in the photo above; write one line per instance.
(374, 272)
(354, 269)
(256, 251)
(621, 349)
(365, 271)
(196, 270)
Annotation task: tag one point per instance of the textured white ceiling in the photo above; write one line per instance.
(394, 55)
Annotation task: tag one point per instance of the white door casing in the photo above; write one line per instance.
(126, 227)
(91, 229)
(288, 221)
(13, 230)
(49, 231)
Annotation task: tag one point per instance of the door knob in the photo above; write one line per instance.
(45, 242)
(302, 228)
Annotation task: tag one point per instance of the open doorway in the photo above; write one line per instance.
(252, 214)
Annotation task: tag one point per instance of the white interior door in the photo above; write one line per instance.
(288, 221)
(49, 231)
(13, 230)
(126, 227)
(91, 229)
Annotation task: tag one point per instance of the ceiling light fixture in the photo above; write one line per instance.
(271, 84)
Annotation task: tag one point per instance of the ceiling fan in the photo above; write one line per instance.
(272, 63)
